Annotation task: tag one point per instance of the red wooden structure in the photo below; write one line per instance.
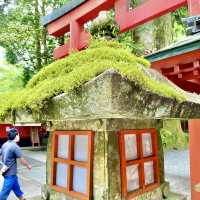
(3, 128)
(194, 129)
(73, 16)
(180, 63)
(26, 131)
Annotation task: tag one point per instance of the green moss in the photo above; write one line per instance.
(72, 72)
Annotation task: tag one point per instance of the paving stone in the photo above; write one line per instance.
(178, 173)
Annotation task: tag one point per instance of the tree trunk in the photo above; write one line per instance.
(174, 135)
(163, 32)
(37, 36)
(153, 35)
(143, 35)
(44, 35)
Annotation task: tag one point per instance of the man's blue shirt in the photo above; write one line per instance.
(10, 151)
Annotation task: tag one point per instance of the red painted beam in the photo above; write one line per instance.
(151, 9)
(185, 76)
(171, 70)
(176, 60)
(125, 17)
(87, 11)
(61, 51)
(195, 81)
(186, 85)
(81, 42)
(189, 68)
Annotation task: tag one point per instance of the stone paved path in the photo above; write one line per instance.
(177, 170)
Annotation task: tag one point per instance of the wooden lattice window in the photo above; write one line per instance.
(139, 161)
(72, 153)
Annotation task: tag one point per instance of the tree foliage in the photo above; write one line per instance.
(10, 77)
(21, 34)
(179, 28)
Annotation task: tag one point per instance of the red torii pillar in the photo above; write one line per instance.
(194, 131)
(194, 138)
(194, 7)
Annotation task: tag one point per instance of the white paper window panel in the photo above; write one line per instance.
(131, 147)
(149, 172)
(61, 175)
(63, 145)
(132, 175)
(147, 144)
(80, 180)
(81, 148)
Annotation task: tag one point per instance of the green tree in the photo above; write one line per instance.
(179, 28)
(163, 31)
(37, 31)
(10, 77)
(21, 34)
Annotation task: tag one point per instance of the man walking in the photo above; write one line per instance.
(10, 152)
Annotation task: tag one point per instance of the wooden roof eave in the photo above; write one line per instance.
(185, 51)
(184, 58)
(175, 51)
(56, 14)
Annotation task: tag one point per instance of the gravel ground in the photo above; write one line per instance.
(177, 172)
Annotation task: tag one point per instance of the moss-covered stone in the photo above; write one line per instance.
(111, 95)
(72, 72)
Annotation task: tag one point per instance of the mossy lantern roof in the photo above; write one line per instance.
(74, 71)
